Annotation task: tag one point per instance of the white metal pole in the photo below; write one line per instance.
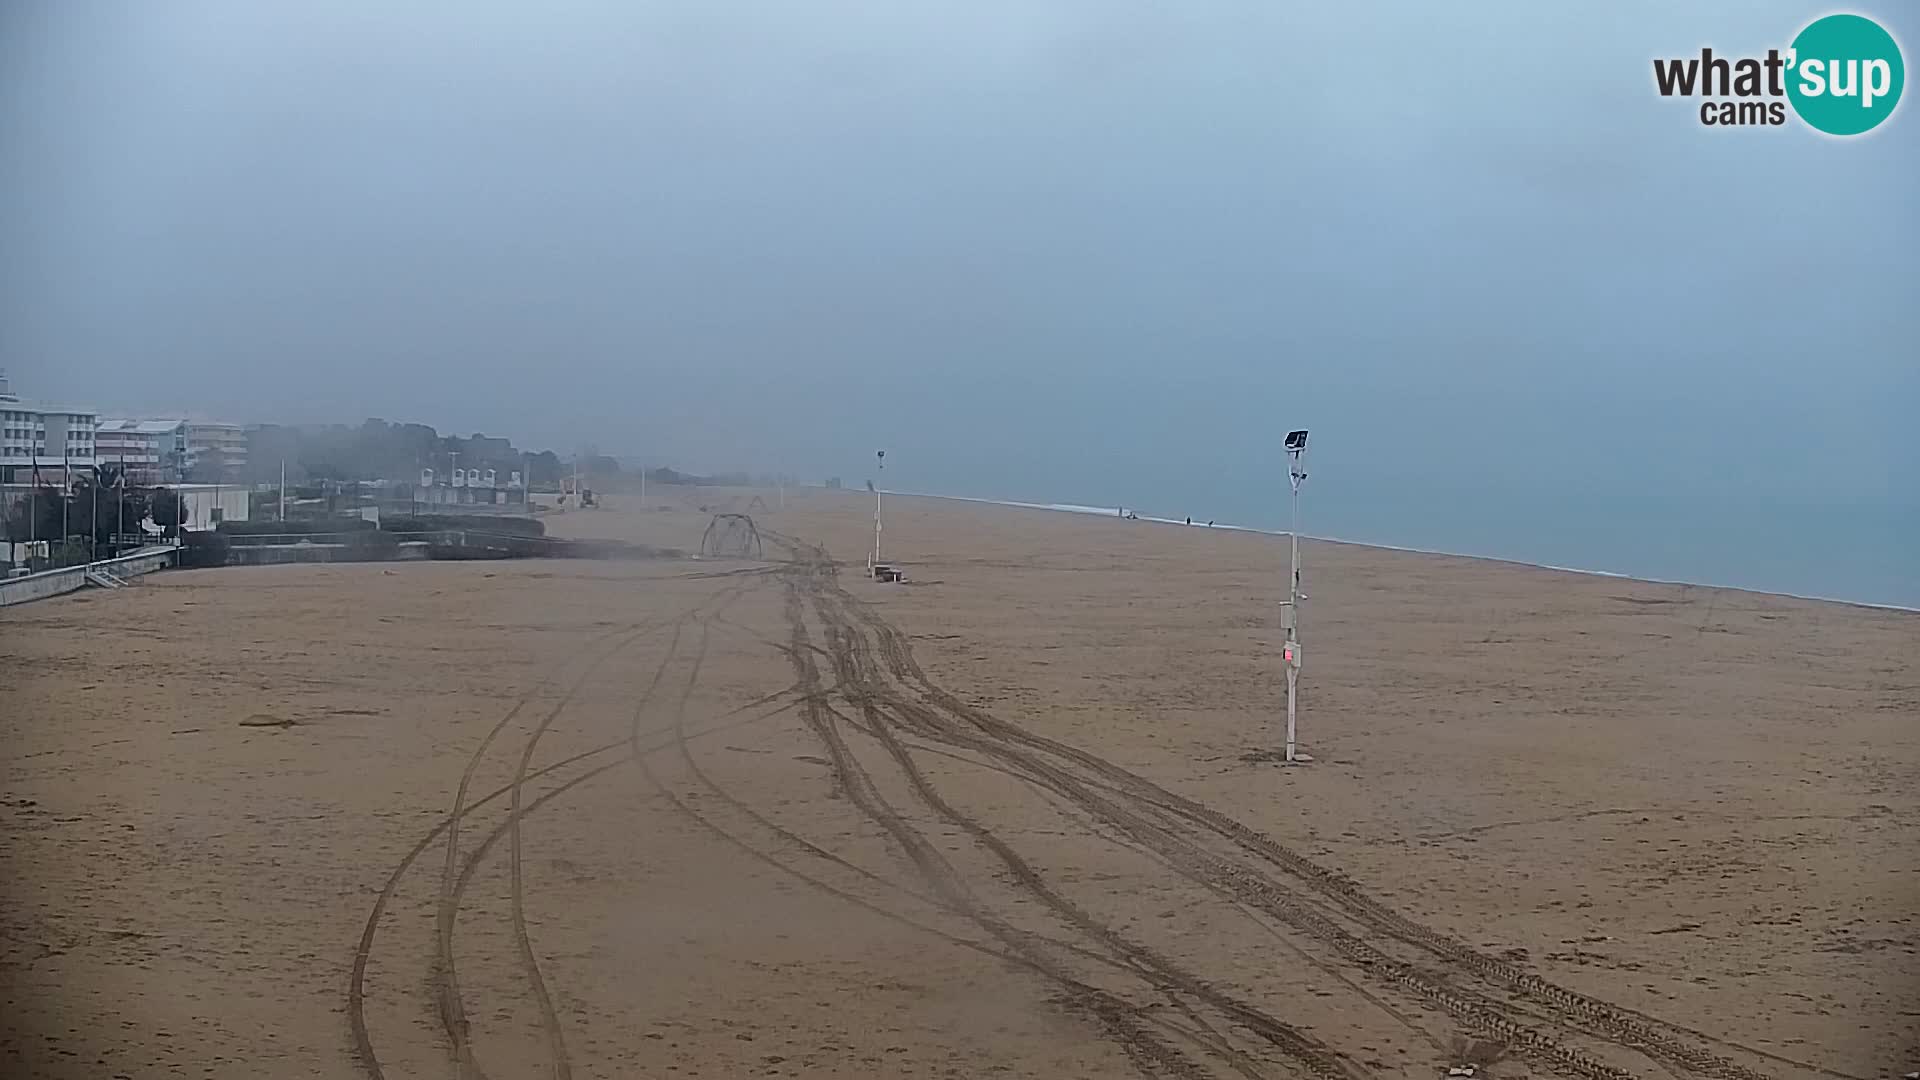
(880, 473)
(1296, 447)
(1293, 621)
(1293, 679)
(283, 491)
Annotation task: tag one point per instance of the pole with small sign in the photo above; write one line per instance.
(880, 472)
(1290, 612)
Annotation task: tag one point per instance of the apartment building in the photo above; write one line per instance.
(55, 440)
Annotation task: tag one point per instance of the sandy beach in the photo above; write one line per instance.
(746, 817)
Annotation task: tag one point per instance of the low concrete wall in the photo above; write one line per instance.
(41, 585)
(54, 582)
(269, 554)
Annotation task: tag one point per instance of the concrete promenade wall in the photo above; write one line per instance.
(54, 582)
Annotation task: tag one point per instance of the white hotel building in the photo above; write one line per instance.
(53, 439)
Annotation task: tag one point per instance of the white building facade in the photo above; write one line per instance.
(215, 451)
(149, 450)
(205, 506)
(55, 441)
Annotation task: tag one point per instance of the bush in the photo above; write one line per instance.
(207, 548)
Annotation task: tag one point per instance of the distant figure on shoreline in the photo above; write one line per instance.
(1189, 520)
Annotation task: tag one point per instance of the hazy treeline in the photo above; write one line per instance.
(378, 450)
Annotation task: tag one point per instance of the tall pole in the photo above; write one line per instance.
(283, 491)
(879, 474)
(1293, 627)
(1296, 474)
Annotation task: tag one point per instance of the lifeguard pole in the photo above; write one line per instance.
(1290, 610)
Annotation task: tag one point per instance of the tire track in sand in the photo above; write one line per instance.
(453, 1020)
(445, 979)
(848, 650)
(1579, 1012)
(681, 740)
(562, 1065)
(1150, 1054)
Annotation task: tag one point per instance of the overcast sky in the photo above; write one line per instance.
(1030, 247)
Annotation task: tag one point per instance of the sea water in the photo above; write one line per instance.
(1858, 551)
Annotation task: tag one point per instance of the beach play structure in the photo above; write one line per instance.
(731, 536)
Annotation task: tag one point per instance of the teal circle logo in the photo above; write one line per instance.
(1845, 74)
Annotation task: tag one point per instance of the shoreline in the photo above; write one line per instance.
(1098, 511)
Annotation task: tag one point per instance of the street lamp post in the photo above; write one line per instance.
(1296, 446)
(879, 474)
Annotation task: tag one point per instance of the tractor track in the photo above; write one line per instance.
(562, 1065)
(443, 977)
(1150, 809)
(1066, 808)
(1201, 867)
(363, 952)
(891, 701)
(1477, 1011)
(1150, 1054)
(719, 792)
(873, 699)
(356, 998)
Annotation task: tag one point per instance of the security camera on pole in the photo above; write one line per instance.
(1290, 610)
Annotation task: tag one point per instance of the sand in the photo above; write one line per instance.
(995, 821)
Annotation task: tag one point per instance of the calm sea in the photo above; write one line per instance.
(1837, 550)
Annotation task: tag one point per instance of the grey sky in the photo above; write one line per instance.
(1030, 247)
